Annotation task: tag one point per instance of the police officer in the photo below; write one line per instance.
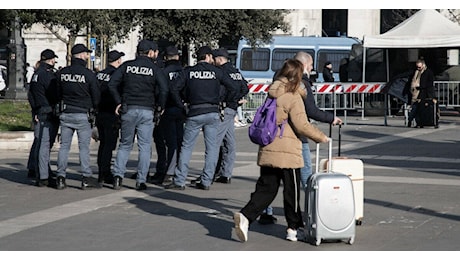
(44, 99)
(226, 132)
(168, 133)
(106, 121)
(79, 95)
(138, 87)
(203, 94)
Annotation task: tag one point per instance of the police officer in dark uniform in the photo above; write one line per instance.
(44, 99)
(203, 93)
(106, 121)
(79, 96)
(226, 133)
(139, 87)
(168, 134)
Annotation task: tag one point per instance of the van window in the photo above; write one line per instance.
(280, 55)
(255, 59)
(334, 56)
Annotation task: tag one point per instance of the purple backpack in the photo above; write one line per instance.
(263, 129)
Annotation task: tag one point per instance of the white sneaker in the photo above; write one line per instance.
(238, 124)
(241, 226)
(243, 123)
(291, 235)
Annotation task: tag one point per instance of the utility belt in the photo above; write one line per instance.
(61, 107)
(205, 105)
(75, 109)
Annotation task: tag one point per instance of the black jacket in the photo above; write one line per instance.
(139, 82)
(203, 89)
(78, 87)
(426, 84)
(173, 70)
(107, 103)
(43, 92)
(231, 99)
(327, 75)
(313, 112)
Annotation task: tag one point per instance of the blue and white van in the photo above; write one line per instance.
(259, 64)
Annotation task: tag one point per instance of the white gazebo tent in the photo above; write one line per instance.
(425, 29)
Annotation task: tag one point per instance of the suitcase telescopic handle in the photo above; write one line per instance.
(340, 137)
(329, 161)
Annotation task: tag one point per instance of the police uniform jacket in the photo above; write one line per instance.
(232, 98)
(136, 83)
(107, 103)
(174, 70)
(203, 91)
(78, 87)
(43, 95)
(313, 112)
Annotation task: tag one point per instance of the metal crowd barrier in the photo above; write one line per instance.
(349, 98)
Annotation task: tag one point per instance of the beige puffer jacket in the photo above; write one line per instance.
(286, 152)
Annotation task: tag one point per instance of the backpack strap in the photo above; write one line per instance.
(282, 127)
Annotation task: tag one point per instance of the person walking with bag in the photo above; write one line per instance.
(282, 159)
(421, 87)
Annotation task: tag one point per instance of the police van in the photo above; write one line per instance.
(258, 64)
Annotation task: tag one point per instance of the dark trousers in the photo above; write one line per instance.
(108, 130)
(266, 190)
(167, 136)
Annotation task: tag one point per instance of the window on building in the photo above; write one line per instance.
(334, 22)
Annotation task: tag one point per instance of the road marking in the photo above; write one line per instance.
(42, 217)
(32, 220)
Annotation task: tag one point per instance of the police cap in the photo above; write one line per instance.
(203, 50)
(47, 55)
(221, 52)
(171, 50)
(115, 55)
(79, 48)
(146, 45)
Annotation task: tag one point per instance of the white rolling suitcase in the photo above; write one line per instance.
(329, 206)
(354, 168)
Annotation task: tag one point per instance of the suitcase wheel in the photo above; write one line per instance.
(359, 222)
(351, 240)
(317, 241)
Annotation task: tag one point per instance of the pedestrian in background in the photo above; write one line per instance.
(328, 73)
(169, 132)
(282, 159)
(79, 96)
(421, 87)
(107, 122)
(43, 92)
(203, 93)
(313, 112)
(139, 87)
